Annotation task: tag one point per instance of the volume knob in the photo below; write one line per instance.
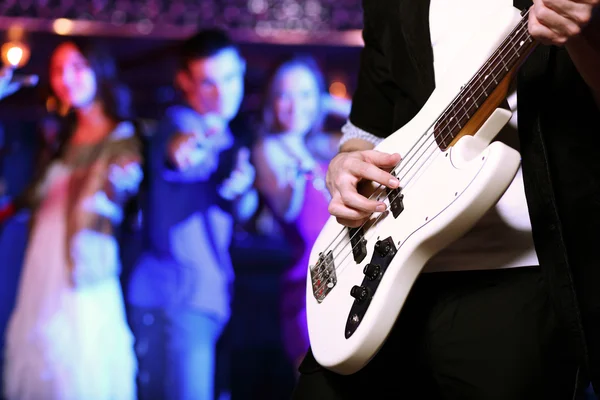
(383, 248)
(360, 293)
(372, 271)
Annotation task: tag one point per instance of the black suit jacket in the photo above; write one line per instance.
(559, 130)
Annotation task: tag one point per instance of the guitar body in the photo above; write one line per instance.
(445, 192)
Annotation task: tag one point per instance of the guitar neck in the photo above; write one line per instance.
(493, 77)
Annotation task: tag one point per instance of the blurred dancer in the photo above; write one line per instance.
(68, 337)
(291, 160)
(198, 177)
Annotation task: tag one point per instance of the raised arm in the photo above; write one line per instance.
(179, 152)
(275, 187)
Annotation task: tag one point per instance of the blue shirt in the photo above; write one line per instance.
(188, 229)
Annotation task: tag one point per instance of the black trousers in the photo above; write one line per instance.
(464, 335)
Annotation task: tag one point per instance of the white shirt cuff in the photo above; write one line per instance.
(350, 131)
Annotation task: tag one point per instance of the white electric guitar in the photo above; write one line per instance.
(450, 176)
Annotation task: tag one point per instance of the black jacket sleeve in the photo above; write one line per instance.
(373, 100)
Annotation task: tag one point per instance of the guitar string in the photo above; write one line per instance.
(317, 286)
(336, 257)
(490, 63)
(459, 98)
(406, 161)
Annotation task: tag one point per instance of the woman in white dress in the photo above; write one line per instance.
(68, 337)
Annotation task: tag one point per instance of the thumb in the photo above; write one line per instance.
(380, 159)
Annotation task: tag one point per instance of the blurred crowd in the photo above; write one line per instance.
(165, 260)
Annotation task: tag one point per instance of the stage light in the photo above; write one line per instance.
(338, 89)
(15, 54)
(62, 26)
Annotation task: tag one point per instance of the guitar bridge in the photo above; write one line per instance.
(323, 276)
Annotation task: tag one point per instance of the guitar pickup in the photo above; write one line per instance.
(358, 243)
(396, 200)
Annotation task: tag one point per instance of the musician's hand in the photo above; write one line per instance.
(557, 21)
(345, 171)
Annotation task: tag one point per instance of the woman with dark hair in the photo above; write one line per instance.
(291, 158)
(68, 337)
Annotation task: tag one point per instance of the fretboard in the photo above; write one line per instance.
(510, 54)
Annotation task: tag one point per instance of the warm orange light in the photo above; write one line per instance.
(62, 26)
(15, 54)
(338, 89)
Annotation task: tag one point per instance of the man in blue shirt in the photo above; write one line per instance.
(199, 176)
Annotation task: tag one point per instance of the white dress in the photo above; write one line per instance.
(62, 342)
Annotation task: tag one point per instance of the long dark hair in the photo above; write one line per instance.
(269, 120)
(114, 96)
